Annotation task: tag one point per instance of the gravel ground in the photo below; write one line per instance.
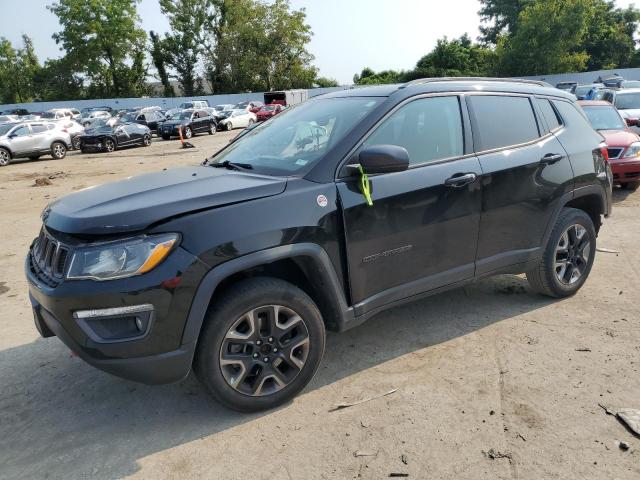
(489, 379)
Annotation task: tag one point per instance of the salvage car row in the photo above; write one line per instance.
(31, 135)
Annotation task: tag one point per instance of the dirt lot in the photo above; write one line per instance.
(491, 370)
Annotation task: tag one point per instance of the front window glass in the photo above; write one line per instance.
(21, 131)
(604, 118)
(625, 101)
(297, 139)
(430, 129)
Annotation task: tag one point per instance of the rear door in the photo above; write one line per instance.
(41, 137)
(421, 232)
(525, 173)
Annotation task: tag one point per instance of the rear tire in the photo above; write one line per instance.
(5, 157)
(633, 186)
(568, 256)
(229, 126)
(212, 129)
(58, 150)
(253, 356)
(188, 133)
(146, 141)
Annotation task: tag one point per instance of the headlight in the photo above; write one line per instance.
(632, 151)
(120, 259)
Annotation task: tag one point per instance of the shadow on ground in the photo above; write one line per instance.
(60, 418)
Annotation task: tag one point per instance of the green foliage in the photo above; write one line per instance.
(58, 80)
(17, 70)
(104, 37)
(549, 39)
(184, 44)
(324, 82)
(369, 77)
(501, 16)
(254, 45)
(160, 59)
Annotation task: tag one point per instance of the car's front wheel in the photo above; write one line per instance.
(261, 344)
(188, 133)
(229, 126)
(212, 129)
(58, 150)
(568, 256)
(109, 145)
(5, 157)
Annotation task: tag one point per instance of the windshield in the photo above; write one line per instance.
(186, 105)
(182, 116)
(128, 117)
(220, 108)
(299, 137)
(626, 101)
(48, 115)
(604, 118)
(631, 84)
(269, 108)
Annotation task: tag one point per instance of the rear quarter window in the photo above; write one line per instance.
(502, 121)
(572, 117)
(549, 114)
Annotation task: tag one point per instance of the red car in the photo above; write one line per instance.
(269, 111)
(623, 144)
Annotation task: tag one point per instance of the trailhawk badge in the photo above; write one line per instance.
(322, 201)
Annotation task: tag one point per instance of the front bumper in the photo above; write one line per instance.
(625, 171)
(157, 356)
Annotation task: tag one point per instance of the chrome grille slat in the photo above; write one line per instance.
(48, 259)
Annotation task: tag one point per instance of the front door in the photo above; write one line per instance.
(21, 141)
(421, 232)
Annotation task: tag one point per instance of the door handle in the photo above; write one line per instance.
(458, 180)
(551, 158)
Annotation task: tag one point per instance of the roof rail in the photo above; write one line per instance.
(420, 81)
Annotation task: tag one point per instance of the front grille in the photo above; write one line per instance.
(614, 152)
(48, 259)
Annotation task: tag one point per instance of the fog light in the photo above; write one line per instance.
(116, 324)
(139, 324)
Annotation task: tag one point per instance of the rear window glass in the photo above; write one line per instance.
(38, 128)
(549, 114)
(502, 121)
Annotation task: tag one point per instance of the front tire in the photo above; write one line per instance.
(212, 129)
(261, 344)
(109, 145)
(229, 126)
(568, 256)
(58, 150)
(5, 157)
(188, 133)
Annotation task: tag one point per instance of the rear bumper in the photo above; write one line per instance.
(625, 171)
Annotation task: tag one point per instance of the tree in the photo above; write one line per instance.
(254, 45)
(324, 82)
(104, 36)
(500, 18)
(160, 60)
(609, 41)
(369, 77)
(456, 58)
(17, 70)
(58, 80)
(549, 39)
(184, 44)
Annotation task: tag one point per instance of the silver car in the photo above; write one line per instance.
(32, 140)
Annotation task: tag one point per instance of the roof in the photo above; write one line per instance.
(458, 84)
(594, 103)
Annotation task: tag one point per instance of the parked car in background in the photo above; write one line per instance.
(86, 112)
(223, 107)
(9, 118)
(629, 84)
(583, 91)
(73, 128)
(623, 144)
(16, 111)
(611, 81)
(286, 98)
(57, 114)
(31, 116)
(190, 122)
(94, 116)
(627, 101)
(150, 118)
(194, 105)
(268, 111)
(107, 138)
(32, 140)
(236, 119)
(567, 86)
(250, 106)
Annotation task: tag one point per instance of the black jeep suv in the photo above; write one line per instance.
(339, 208)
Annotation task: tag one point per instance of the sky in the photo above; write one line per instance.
(348, 34)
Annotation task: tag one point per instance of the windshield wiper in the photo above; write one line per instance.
(232, 165)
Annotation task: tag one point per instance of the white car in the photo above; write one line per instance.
(32, 140)
(223, 107)
(58, 113)
(231, 119)
(93, 116)
(73, 128)
(9, 118)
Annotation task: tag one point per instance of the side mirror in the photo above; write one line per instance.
(632, 122)
(384, 159)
